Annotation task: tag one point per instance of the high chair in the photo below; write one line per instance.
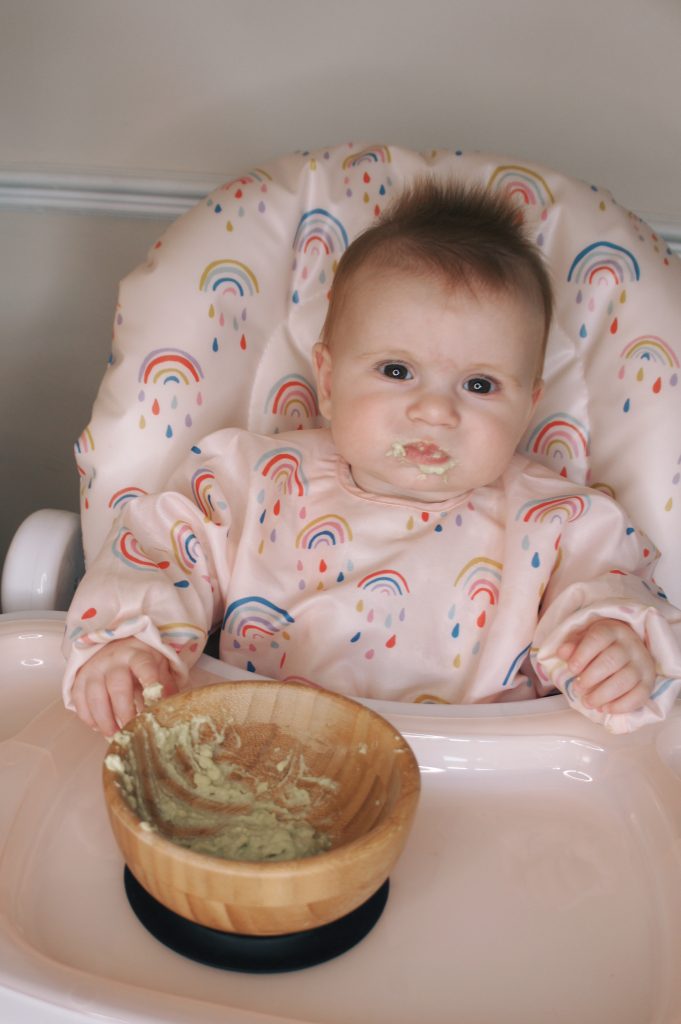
(542, 878)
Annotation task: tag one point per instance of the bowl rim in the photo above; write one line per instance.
(399, 818)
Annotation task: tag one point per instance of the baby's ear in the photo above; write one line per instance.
(321, 362)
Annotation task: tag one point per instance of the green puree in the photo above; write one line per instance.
(201, 797)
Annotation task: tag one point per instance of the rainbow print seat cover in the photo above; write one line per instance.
(216, 328)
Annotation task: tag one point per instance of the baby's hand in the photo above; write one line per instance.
(613, 668)
(107, 690)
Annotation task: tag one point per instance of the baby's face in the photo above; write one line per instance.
(428, 389)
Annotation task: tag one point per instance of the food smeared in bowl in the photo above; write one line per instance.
(196, 784)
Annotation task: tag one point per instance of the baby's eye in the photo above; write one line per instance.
(480, 385)
(395, 371)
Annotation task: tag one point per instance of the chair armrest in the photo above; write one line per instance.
(44, 563)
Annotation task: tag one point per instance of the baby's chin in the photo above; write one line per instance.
(416, 485)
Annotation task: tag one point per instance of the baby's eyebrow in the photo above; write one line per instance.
(385, 353)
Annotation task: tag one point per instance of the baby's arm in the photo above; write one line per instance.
(108, 689)
(613, 669)
(161, 576)
(606, 636)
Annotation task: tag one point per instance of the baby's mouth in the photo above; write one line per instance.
(426, 455)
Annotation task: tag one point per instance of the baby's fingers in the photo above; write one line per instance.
(80, 700)
(586, 648)
(93, 703)
(152, 669)
(608, 688)
(120, 686)
(611, 666)
(631, 701)
(567, 649)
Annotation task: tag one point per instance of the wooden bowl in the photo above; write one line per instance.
(359, 774)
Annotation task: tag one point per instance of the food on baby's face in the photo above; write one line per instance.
(188, 783)
(426, 456)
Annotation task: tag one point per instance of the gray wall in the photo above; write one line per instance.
(58, 275)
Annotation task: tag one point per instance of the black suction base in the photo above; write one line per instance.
(254, 954)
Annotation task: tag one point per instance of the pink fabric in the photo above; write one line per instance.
(310, 578)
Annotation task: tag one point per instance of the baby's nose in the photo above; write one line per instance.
(435, 407)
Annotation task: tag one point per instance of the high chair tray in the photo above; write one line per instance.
(541, 881)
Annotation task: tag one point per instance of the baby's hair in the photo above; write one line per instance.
(467, 236)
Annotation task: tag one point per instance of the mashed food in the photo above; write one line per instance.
(190, 783)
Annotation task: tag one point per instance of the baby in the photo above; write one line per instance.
(407, 552)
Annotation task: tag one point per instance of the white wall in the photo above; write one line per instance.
(202, 89)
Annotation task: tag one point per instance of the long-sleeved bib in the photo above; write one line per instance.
(310, 578)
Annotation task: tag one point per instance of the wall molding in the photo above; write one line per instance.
(119, 195)
(122, 196)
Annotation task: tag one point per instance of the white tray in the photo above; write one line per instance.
(541, 883)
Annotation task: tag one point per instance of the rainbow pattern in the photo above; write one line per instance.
(257, 616)
(185, 545)
(604, 489)
(87, 478)
(202, 484)
(127, 549)
(604, 263)
(85, 443)
(481, 576)
(252, 176)
(650, 348)
(560, 434)
(319, 231)
(124, 495)
(293, 396)
(521, 184)
(179, 635)
(515, 664)
(373, 155)
(284, 467)
(385, 581)
(565, 509)
(229, 277)
(170, 366)
(324, 531)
